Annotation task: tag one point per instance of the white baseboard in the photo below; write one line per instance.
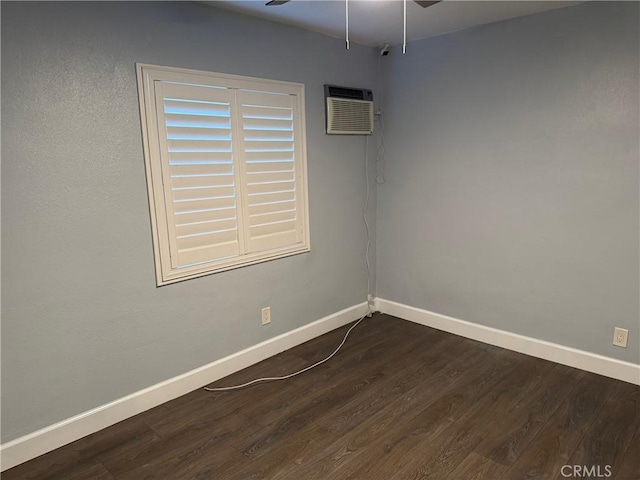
(591, 362)
(42, 441)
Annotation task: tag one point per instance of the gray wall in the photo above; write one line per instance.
(82, 320)
(512, 176)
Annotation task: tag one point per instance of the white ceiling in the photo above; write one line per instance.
(376, 22)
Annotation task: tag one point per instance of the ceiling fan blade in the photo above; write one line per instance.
(426, 3)
(276, 2)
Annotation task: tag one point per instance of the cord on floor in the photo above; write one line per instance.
(284, 377)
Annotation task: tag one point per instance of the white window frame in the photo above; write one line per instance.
(161, 227)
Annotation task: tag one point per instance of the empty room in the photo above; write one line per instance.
(339, 239)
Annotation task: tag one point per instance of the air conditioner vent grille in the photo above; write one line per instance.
(346, 116)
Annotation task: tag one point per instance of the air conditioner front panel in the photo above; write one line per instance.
(349, 117)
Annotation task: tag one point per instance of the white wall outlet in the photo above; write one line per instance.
(266, 315)
(620, 336)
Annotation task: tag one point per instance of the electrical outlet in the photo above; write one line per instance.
(266, 315)
(620, 336)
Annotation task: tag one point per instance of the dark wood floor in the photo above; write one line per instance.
(400, 401)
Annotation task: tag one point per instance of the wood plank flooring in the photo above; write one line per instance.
(400, 401)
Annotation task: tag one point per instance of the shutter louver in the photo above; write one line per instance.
(198, 172)
(269, 145)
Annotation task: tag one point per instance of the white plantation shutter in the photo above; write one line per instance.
(196, 146)
(226, 166)
(269, 141)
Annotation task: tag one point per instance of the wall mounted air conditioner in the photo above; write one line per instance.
(349, 111)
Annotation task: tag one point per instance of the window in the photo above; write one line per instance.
(226, 170)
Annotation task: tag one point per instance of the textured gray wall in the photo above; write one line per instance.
(82, 320)
(512, 176)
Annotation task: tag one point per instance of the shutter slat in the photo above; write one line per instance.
(195, 170)
(198, 93)
(186, 158)
(200, 108)
(270, 167)
(271, 208)
(203, 205)
(271, 187)
(258, 157)
(257, 220)
(205, 216)
(199, 146)
(251, 98)
(268, 177)
(196, 194)
(279, 113)
(267, 124)
(197, 121)
(195, 182)
(271, 198)
(198, 133)
(273, 146)
(206, 227)
(268, 135)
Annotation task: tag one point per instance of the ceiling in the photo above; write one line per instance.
(376, 22)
